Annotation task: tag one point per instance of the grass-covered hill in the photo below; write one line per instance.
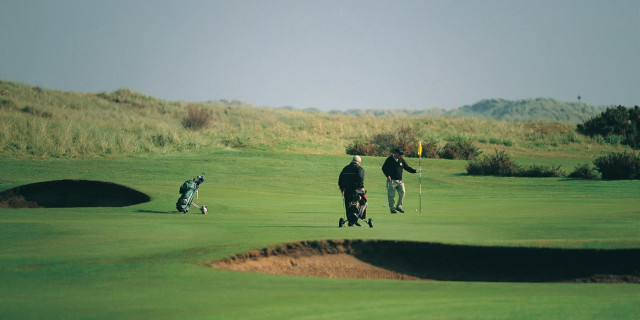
(42, 123)
(499, 109)
(528, 109)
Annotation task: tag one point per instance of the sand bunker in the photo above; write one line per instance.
(372, 259)
(71, 193)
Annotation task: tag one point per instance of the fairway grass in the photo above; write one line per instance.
(141, 262)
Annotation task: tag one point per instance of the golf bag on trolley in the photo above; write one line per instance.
(188, 190)
(355, 203)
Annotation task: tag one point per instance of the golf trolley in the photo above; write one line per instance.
(355, 208)
(188, 189)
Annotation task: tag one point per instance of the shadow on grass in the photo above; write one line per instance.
(295, 226)
(71, 194)
(308, 211)
(157, 211)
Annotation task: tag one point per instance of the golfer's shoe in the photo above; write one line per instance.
(400, 210)
(393, 211)
(357, 224)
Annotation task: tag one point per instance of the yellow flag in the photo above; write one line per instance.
(419, 148)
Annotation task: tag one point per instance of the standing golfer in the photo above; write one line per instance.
(392, 169)
(351, 183)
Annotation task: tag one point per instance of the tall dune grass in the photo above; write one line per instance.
(45, 123)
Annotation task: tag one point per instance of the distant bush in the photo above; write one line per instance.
(382, 144)
(507, 142)
(196, 118)
(363, 149)
(460, 149)
(540, 171)
(619, 166)
(500, 164)
(379, 145)
(616, 124)
(584, 171)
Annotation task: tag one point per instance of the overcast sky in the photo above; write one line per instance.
(329, 54)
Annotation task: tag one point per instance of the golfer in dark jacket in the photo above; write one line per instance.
(351, 180)
(392, 169)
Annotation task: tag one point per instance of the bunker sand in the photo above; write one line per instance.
(405, 260)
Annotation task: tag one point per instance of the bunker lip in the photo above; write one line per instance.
(406, 260)
(71, 193)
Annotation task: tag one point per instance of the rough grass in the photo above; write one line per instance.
(41, 123)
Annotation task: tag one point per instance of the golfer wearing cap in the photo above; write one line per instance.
(351, 183)
(392, 169)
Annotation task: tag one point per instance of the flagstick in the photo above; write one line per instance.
(420, 179)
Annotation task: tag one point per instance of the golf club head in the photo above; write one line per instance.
(204, 209)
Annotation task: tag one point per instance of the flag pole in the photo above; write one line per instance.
(420, 179)
(420, 176)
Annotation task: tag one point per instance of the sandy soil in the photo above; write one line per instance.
(329, 266)
(404, 260)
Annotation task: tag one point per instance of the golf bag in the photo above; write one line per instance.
(355, 203)
(188, 190)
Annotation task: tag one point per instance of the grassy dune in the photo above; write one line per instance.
(41, 123)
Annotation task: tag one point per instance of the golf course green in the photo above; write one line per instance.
(146, 261)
